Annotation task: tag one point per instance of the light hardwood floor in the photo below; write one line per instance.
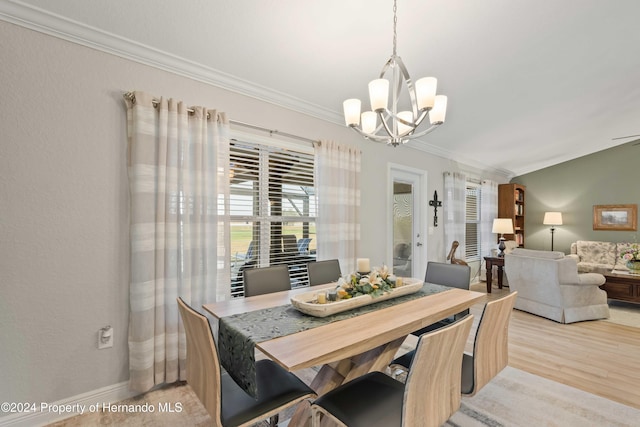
(599, 357)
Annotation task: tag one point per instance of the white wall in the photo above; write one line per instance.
(64, 250)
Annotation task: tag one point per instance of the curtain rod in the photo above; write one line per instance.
(274, 132)
(131, 97)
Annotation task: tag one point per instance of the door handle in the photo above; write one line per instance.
(418, 244)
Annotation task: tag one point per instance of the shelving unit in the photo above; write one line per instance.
(511, 204)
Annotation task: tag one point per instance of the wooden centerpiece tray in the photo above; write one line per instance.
(307, 302)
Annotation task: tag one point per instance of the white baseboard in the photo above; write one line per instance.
(95, 398)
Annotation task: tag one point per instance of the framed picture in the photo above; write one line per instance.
(615, 217)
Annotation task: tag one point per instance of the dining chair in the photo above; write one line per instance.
(224, 400)
(453, 275)
(321, 272)
(490, 347)
(264, 280)
(430, 395)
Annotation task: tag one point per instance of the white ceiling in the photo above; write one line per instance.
(530, 83)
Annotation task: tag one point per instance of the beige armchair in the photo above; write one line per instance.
(548, 285)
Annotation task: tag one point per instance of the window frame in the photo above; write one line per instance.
(472, 254)
(268, 159)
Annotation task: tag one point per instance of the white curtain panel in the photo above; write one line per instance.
(337, 178)
(179, 189)
(454, 204)
(488, 211)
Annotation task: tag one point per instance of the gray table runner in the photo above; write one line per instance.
(238, 334)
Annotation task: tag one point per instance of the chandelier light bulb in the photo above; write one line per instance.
(379, 94)
(426, 92)
(369, 121)
(352, 111)
(439, 111)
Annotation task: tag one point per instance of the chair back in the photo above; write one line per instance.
(454, 275)
(432, 390)
(303, 245)
(321, 272)
(490, 349)
(265, 280)
(250, 250)
(203, 364)
(289, 244)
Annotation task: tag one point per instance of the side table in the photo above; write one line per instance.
(499, 263)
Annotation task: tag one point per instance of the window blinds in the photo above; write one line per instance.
(273, 210)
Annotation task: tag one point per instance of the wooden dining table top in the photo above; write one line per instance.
(349, 337)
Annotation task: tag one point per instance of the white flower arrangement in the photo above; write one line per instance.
(375, 283)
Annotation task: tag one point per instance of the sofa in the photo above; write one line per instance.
(590, 254)
(548, 285)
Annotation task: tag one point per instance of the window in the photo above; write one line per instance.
(273, 209)
(472, 222)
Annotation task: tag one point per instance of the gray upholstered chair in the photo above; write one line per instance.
(549, 285)
(321, 272)
(430, 395)
(490, 347)
(264, 280)
(453, 275)
(224, 400)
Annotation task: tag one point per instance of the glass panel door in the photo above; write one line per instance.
(402, 228)
(406, 222)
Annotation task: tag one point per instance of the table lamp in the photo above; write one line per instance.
(502, 226)
(552, 219)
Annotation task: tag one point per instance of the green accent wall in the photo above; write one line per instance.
(608, 177)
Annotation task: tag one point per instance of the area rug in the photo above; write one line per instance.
(624, 313)
(516, 398)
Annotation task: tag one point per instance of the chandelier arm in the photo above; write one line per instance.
(420, 118)
(373, 137)
(413, 124)
(426, 131)
(384, 122)
(410, 85)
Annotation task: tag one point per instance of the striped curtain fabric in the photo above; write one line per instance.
(454, 204)
(179, 189)
(488, 211)
(337, 180)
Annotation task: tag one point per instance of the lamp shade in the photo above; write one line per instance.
(379, 94)
(502, 226)
(552, 218)
(439, 111)
(426, 92)
(369, 121)
(352, 111)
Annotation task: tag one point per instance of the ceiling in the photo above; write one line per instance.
(530, 83)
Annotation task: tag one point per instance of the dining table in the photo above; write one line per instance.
(350, 347)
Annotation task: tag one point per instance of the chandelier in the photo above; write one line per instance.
(396, 127)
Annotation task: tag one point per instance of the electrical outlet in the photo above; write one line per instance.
(105, 337)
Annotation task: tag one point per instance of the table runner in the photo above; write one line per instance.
(238, 334)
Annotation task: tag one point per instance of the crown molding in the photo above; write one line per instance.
(432, 149)
(46, 22)
(43, 21)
